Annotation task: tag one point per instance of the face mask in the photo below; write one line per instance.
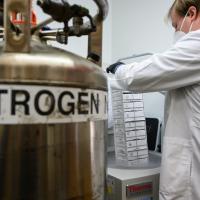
(179, 34)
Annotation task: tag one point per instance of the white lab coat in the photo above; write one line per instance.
(178, 72)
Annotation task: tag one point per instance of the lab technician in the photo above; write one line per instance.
(176, 71)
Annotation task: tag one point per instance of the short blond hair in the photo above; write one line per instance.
(181, 6)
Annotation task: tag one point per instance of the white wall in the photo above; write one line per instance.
(138, 26)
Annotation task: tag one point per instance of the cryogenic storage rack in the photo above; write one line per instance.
(129, 128)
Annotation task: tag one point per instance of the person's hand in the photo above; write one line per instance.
(113, 68)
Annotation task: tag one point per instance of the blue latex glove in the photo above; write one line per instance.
(113, 68)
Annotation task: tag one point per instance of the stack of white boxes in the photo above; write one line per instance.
(129, 128)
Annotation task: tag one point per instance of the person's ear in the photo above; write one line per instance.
(192, 13)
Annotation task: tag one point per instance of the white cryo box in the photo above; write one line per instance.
(134, 183)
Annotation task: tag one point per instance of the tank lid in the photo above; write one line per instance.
(51, 66)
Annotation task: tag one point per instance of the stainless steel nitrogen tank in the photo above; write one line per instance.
(53, 109)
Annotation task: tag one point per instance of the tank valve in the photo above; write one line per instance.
(62, 11)
(62, 36)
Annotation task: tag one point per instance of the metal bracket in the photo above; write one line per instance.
(17, 42)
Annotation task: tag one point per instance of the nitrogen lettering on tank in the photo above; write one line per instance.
(31, 104)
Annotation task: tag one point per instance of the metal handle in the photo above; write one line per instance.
(17, 42)
(103, 10)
